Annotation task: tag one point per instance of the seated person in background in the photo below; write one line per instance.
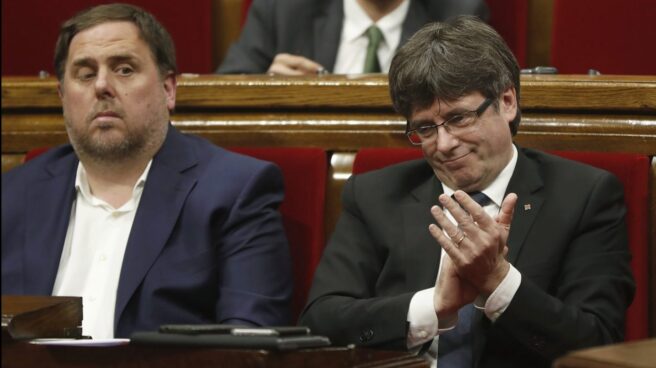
(526, 254)
(147, 225)
(297, 37)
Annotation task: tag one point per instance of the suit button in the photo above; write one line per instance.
(366, 335)
(537, 342)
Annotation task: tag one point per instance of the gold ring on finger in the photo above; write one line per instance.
(462, 237)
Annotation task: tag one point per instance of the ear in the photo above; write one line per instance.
(170, 86)
(508, 105)
(60, 90)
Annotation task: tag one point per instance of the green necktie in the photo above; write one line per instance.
(371, 64)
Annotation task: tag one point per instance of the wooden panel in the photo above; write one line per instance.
(550, 92)
(538, 47)
(641, 354)
(652, 250)
(26, 355)
(226, 27)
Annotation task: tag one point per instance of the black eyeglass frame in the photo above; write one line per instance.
(478, 112)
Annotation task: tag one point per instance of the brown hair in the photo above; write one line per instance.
(150, 30)
(449, 60)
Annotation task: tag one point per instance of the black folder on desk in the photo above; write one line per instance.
(230, 341)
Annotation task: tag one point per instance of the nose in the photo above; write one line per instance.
(104, 85)
(445, 141)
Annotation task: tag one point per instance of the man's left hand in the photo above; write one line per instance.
(477, 242)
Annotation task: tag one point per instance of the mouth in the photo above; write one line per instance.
(106, 114)
(105, 119)
(455, 159)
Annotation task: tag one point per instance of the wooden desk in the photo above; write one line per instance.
(638, 354)
(25, 355)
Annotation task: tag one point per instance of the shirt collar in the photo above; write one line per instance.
(356, 21)
(83, 189)
(497, 189)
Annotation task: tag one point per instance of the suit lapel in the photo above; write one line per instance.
(47, 217)
(525, 182)
(166, 190)
(422, 252)
(327, 32)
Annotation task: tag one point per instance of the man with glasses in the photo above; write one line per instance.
(483, 253)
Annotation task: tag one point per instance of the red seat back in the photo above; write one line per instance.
(610, 36)
(631, 169)
(30, 29)
(304, 171)
(510, 19)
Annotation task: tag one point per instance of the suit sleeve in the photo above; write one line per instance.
(255, 269)
(593, 288)
(343, 303)
(256, 47)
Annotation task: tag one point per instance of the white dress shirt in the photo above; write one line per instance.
(422, 318)
(353, 42)
(91, 260)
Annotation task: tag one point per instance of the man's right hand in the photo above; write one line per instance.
(451, 291)
(287, 64)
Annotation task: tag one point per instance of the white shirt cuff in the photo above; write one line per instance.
(501, 297)
(423, 323)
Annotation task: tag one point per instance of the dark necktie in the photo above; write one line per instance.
(480, 198)
(371, 64)
(454, 348)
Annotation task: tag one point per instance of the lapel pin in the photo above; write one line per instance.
(527, 207)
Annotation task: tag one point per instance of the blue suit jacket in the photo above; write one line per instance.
(207, 243)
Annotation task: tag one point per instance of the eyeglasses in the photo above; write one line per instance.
(457, 124)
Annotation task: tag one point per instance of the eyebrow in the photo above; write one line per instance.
(115, 59)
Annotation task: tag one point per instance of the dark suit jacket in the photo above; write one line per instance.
(568, 239)
(312, 28)
(207, 243)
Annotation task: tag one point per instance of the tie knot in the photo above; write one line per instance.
(374, 34)
(480, 198)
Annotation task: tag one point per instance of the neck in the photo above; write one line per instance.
(376, 9)
(114, 182)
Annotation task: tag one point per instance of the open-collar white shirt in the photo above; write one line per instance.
(91, 260)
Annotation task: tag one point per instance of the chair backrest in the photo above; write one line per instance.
(305, 173)
(30, 29)
(610, 36)
(510, 19)
(631, 169)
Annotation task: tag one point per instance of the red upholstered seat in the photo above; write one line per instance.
(304, 171)
(631, 169)
(510, 19)
(188, 22)
(607, 35)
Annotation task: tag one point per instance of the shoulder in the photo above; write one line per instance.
(215, 162)
(556, 164)
(46, 164)
(562, 173)
(286, 9)
(392, 180)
